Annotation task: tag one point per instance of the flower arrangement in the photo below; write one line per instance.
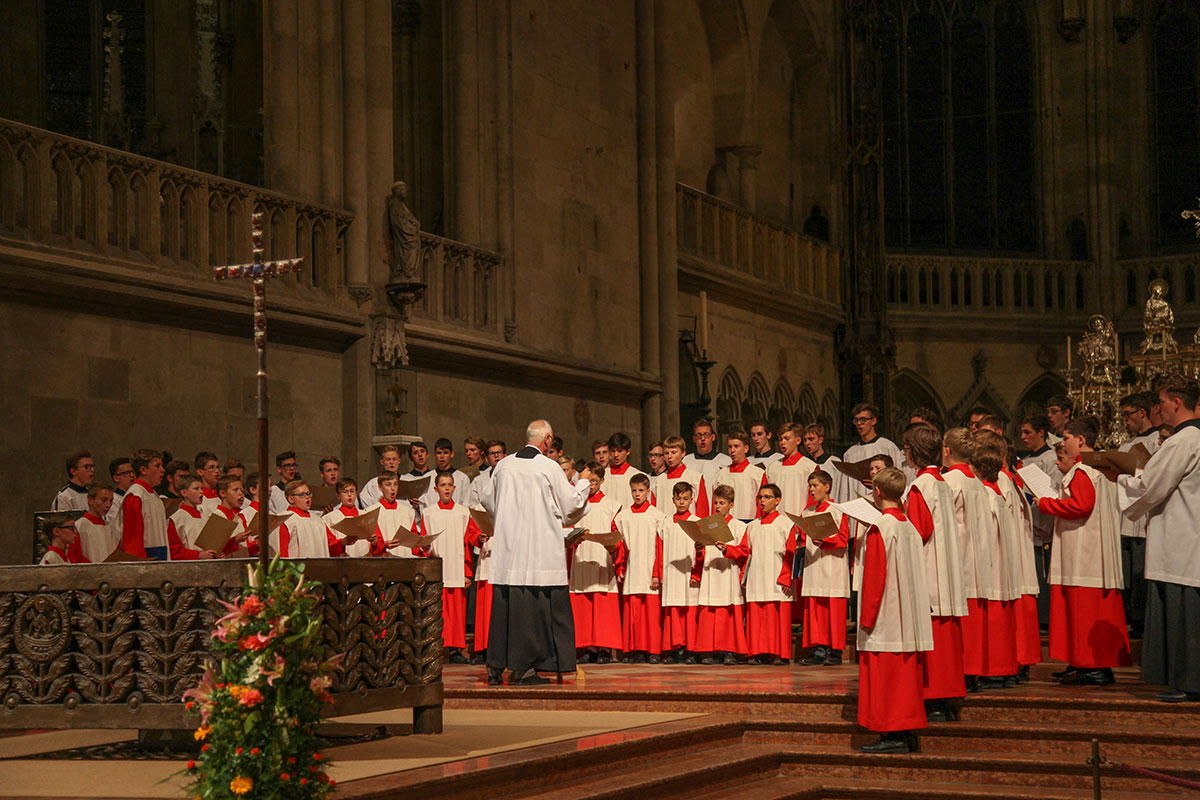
(258, 708)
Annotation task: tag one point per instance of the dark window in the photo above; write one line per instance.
(69, 77)
(1177, 119)
(958, 110)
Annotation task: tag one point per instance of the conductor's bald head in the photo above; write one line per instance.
(539, 434)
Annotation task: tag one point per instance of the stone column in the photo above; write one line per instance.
(505, 222)
(332, 121)
(648, 217)
(747, 156)
(308, 80)
(281, 94)
(463, 201)
(668, 264)
(354, 137)
(406, 18)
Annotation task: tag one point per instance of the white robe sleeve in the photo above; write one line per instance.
(1162, 475)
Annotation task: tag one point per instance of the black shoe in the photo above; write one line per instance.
(495, 677)
(1178, 696)
(988, 683)
(1023, 674)
(655, 658)
(779, 661)
(532, 680)
(888, 743)
(456, 657)
(817, 658)
(833, 658)
(935, 711)
(479, 657)
(625, 658)
(638, 658)
(585, 658)
(1089, 677)
(690, 658)
(603, 657)
(913, 742)
(1010, 681)
(711, 660)
(1064, 673)
(730, 660)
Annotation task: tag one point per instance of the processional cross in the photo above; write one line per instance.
(259, 270)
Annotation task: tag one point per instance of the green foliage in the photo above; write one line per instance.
(259, 706)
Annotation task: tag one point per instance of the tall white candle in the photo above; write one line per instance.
(702, 325)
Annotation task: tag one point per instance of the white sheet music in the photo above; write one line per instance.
(1038, 482)
(860, 509)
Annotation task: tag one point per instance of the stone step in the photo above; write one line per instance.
(791, 787)
(728, 766)
(980, 767)
(1116, 741)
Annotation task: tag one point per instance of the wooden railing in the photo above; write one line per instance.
(986, 285)
(1179, 271)
(711, 230)
(76, 194)
(461, 282)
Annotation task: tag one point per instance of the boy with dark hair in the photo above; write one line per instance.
(286, 466)
(185, 524)
(619, 471)
(59, 530)
(600, 452)
(763, 452)
(1135, 411)
(592, 579)
(893, 624)
(791, 472)
(866, 420)
(208, 467)
(641, 527)
(347, 506)
(302, 535)
(172, 472)
(81, 467)
(443, 456)
(676, 471)
(1087, 616)
(814, 444)
(767, 549)
(1059, 411)
(656, 458)
(121, 471)
(706, 461)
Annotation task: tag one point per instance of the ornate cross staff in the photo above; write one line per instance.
(259, 270)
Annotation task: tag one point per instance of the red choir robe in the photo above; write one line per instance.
(894, 627)
(720, 623)
(942, 667)
(1029, 632)
(825, 589)
(1087, 616)
(458, 536)
(55, 556)
(767, 550)
(354, 548)
(680, 607)
(595, 595)
(144, 523)
(639, 562)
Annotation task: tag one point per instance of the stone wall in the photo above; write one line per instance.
(76, 380)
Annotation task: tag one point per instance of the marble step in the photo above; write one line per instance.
(790, 787)
(1116, 741)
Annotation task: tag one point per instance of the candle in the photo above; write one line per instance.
(1068, 354)
(702, 325)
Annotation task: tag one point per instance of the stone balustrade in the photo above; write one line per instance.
(713, 231)
(82, 196)
(1179, 271)
(987, 285)
(461, 282)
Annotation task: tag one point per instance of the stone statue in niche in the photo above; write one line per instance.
(1158, 320)
(404, 285)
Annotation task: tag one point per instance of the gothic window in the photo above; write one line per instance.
(958, 125)
(1177, 118)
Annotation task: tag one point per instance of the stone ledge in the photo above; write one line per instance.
(756, 294)
(97, 284)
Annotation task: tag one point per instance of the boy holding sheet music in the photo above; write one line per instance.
(592, 579)
(302, 535)
(744, 477)
(1087, 616)
(679, 597)
(791, 472)
(185, 524)
(347, 509)
(452, 534)
(893, 624)
(640, 558)
(929, 506)
(720, 625)
(231, 497)
(825, 589)
(394, 514)
(767, 549)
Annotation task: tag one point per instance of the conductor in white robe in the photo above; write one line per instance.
(531, 503)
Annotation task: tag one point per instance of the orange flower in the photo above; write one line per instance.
(241, 785)
(253, 751)
(250, 697)
(283, 776)
(202, 732)
(191, 765)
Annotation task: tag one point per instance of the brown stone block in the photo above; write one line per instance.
(108, 378)
(54, 422)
